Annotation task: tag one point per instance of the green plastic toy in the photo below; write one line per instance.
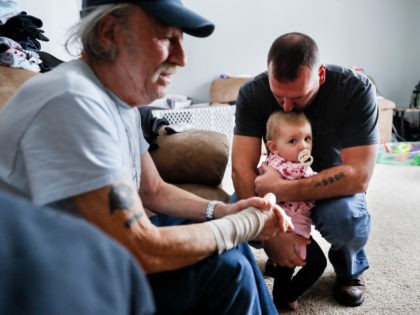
(416, 160)
(403, 148)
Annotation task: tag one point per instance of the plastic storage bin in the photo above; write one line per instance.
(399, 153)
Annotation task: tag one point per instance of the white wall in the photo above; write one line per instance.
(58, 16)
(382, 36)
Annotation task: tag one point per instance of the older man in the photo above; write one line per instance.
(72, 140)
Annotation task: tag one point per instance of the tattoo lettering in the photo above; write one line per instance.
(120, 198)
(330, 180)
(338, 176)
(133, 219)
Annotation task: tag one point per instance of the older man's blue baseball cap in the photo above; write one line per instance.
(170, 12)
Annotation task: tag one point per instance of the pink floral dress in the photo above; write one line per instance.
(299, 211)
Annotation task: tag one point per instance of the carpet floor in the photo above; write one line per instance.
(393, 279)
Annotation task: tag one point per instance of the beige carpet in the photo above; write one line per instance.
(393, 279)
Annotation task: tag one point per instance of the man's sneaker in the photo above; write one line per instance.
(350, 292)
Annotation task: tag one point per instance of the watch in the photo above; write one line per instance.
(210, 209)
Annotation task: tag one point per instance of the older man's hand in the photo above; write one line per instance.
(276, 220)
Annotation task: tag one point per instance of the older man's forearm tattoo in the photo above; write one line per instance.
(121, 198)
(128, 223)
(330, 180)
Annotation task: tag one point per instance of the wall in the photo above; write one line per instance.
(58, 17)
(382, 36)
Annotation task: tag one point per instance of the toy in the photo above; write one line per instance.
(399, 153)
(416, 160)
(403, 147)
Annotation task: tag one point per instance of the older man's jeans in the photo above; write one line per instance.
(345, 223)
(230, 283)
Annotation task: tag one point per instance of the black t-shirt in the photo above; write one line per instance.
(343, 114)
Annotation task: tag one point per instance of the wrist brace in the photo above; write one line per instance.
(234, 229)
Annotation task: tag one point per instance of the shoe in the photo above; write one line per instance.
(350, 292)
(270, 268)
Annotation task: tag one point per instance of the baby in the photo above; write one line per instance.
(289, 140)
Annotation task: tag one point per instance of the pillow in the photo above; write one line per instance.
(11, 79)
(203, 191)
(194, 156)
(206, 192)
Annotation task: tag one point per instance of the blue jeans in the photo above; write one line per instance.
(230, 283)
(344, 222)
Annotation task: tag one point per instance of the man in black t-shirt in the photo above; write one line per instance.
(341, 105)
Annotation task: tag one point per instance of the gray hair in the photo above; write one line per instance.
(85, 33)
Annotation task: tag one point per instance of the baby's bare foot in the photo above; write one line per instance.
(294, 305)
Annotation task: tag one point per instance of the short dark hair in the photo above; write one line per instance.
(291, 51)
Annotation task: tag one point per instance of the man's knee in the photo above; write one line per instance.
(221, 284)
(234, 285)
(235, 265)
(343, 220)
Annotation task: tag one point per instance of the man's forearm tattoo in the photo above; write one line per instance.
(121, 198)
(330, 180)
(133, 219)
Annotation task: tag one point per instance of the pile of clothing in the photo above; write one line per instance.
(20, 34)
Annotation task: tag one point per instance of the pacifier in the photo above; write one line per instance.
(305, 158)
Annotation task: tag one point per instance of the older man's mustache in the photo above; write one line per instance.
(166, 68)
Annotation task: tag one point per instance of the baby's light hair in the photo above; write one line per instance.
(278, 117)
